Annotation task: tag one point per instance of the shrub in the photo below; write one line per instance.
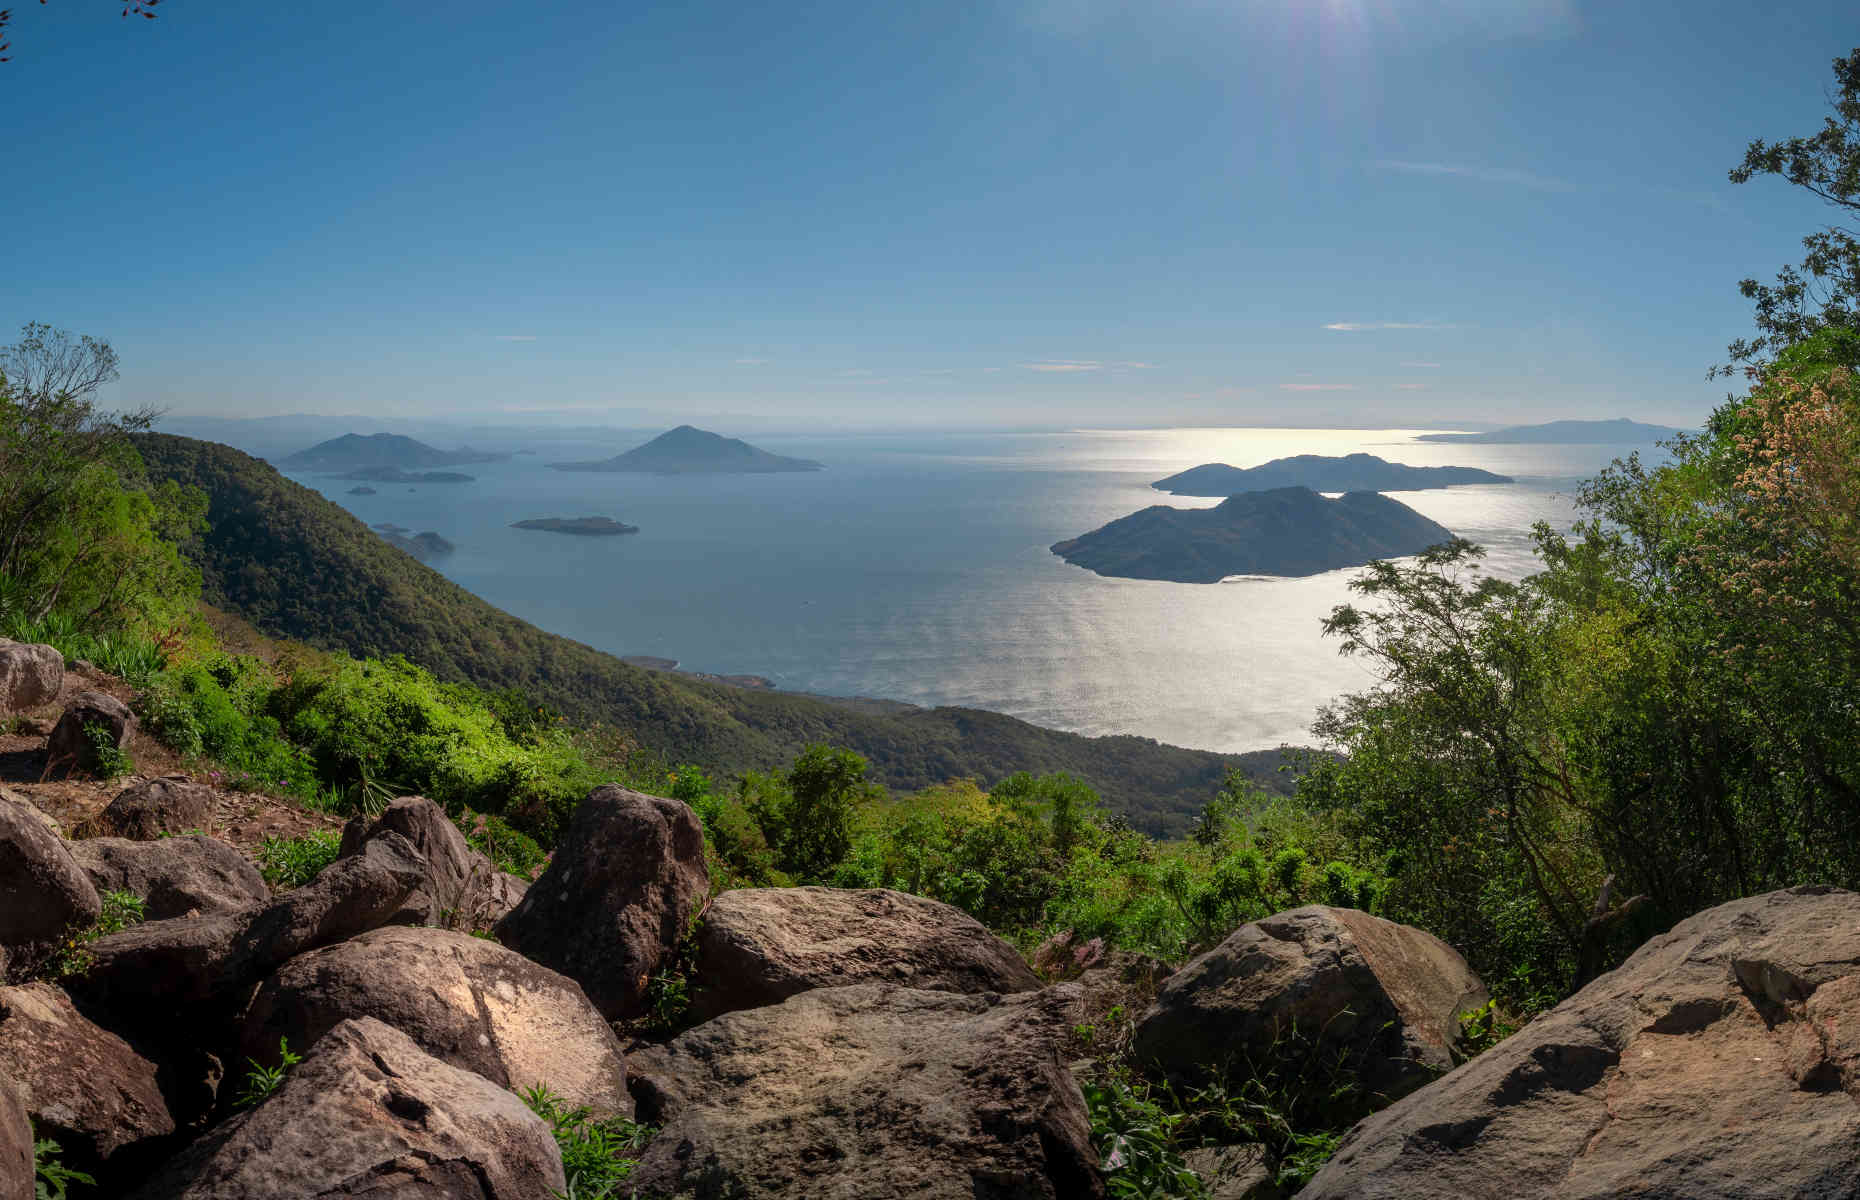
(598, 1153)
(292, 862)
(261, 1080)
(120, 911)
(507, 849)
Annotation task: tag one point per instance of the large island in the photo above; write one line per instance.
(1320, 473)
(354, 452)
(1285, 531)
(580, 526)
(687, 450)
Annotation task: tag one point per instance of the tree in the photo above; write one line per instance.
(808, 813)
(1824, 290)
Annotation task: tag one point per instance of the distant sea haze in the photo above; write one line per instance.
(916, 568)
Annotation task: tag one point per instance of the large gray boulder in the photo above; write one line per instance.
(30, 675)
(368, 1113)
(83, 1086)
(1382, 999)
(463, 888)
(15, 1145)
(43, 892)
(155, 808)
(173, 876)
(1720, 1062)
(464, 1000)
(195, 968)
(626, 879)
(871, 1090)
(69, 748)
(759, 946)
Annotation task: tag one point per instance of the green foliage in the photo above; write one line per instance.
(1138, 1140)
(598, 1153)
(104, 758)
(509, 850)
(261, 1080)
(120, 911)
(1483, 1028)
(51, 1179)
(807, 814)
(292, 862)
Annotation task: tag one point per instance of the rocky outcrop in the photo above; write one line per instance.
(368, 1113)
(1234, 1172)
(196, 967)
(761, 945)
(1381, 998)
(15, 1145)
(1720, 1061)
(627, 877)
(462, 890)
(464, 1000)
(82, 1085)
(155, 808)
(173, 876)
(871, 1090)
(43, 892)
(30, 675)
(70, 747)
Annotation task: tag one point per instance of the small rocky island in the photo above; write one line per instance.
(362, 490)
(396, 475)
(579, 526)
(688, 450)
(1285, 531)
(1320, 473)
(425, 546)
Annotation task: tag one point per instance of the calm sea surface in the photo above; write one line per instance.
(916, 568)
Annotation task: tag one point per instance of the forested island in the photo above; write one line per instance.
(579, 526)
(688, 450)
(1284, 531)
(1320, 473)
(355, 452)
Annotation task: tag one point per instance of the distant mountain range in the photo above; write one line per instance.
(1320, 473)
(352, 452)
(1619, 432)
(1285, 531)
(688, 450)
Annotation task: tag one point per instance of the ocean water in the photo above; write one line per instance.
(915, 567)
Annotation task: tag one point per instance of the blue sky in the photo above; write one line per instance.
(1026, 212)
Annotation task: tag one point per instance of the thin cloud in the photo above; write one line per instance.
(1480, 174)
(1421, 365)
(1136, 366)
(1317, 387)
(1411, 387)
(752, 362)
(1366, 326)
(515, 337)
(1064, 364)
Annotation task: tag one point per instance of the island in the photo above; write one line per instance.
(1320, 473)
(363, 490)
(354, 452)
(1618, 432)
(424, 546)
(687, 450)
(1284, 531)
(396, 475)
(580, 526)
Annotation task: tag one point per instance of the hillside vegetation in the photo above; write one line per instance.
(296, 565)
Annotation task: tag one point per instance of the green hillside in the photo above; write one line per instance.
(296, 565)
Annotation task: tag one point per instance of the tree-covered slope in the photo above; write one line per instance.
(296, 565)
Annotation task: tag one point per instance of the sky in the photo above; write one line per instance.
(968, 213)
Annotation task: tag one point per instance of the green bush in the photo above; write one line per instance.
(598, 1153)
(292, 862)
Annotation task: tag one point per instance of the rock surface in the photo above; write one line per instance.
(1234, 1172)
(69, 747)
(627, 877)
(173, 876)
(156, 807)
(368, 1113)
(30, 675)
(82, 1085)
(870, 1090)
(464, 1000)
(42, 890)
(761, 945)
(463, 888)
(15, 1145)
(1721, 1061)
(194, 967)
(1386, 996)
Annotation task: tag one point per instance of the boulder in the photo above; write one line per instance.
(870, 1090)
(43, 891)
(82, 1085)
(30, 675)
(1381, 1000)
(173, 876)
(16, 1157)
(464, 1000)
(368, 1113)
(154, 808)
(627, 877)
(463, 888)
(198, 967)
(760, 946)
(1720, 1061)
(1233, 1172)
(70, 748)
